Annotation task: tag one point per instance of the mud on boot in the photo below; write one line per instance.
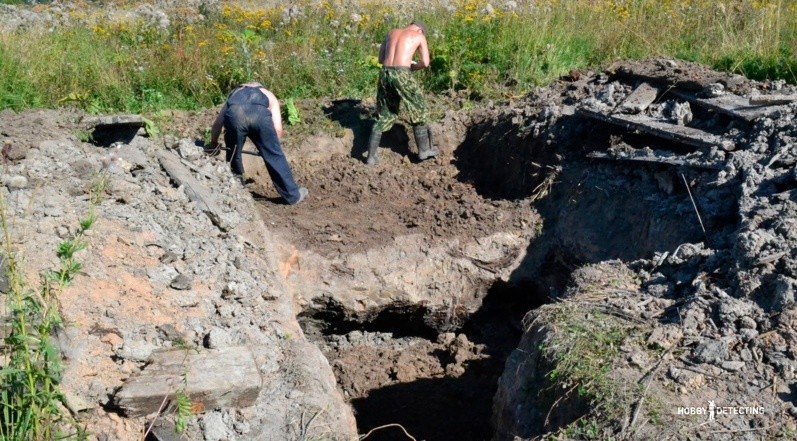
(373, 145)
(423, 138)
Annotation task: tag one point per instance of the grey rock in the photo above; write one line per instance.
(711, 351)
(213, 427)
(71, 342)
(4, 286)
(665, 337)
(784, 292)
(680, 113)
(136, 350)
(113, 120)
(77, 402)
(181, 282)
(713, 90)
(639, 359)
(188, 149)
(233, 290)
(217, 338)
(162, 275)
(187, 300)
(733, 366)
(98, 391)
(16, 182)
(84, 168)
(15, 151)
(748, 334)
(163, 429)
(168, 332)
(747, 322)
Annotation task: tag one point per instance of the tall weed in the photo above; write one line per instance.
(32, 406)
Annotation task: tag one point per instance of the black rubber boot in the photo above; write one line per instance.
(373, 145)
(423, 138)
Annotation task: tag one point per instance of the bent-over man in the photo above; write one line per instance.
(396, 85)
(253, 111)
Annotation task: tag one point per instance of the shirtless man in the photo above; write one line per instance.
(396, 84)
(253, 111)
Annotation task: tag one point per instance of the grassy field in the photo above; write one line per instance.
(140, 64)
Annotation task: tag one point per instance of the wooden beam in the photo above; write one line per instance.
(195, 190)
(222, 378)
(729, 104)
(641, 123)
(655, 159)
(772, 100)
(639, 100)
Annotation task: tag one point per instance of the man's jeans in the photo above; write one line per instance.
(254, 121)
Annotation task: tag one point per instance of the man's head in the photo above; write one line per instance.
(419, 25)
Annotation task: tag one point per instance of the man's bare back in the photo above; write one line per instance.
(400, 46)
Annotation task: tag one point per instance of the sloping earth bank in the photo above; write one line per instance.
(160, 273)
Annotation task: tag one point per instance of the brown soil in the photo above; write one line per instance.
(352, 208)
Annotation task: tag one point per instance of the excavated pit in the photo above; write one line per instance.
(413, 278)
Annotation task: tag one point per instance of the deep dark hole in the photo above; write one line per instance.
(105, 136)
(455, 408)
(400, 320)
(497, 323)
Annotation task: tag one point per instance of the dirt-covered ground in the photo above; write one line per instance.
(391, 361)
(675, 251)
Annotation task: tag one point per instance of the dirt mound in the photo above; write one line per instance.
(692, 191)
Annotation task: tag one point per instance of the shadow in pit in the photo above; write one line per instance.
(352, 114)
(500, 163)
(432, 409)
(455, 407)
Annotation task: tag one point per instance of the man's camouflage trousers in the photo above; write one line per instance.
(396, 86)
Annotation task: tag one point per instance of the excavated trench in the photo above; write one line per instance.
(417, 307)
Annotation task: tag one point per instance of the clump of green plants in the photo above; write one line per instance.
(583, 347)
(32, 406)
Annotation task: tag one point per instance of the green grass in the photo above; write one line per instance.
(102, 65)
(32, 406)
(583, 349)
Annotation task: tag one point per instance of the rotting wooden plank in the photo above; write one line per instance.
(641, 123)
(730, 104)
(221, 378)
(772, 100)
(639, 100)
(654, 159)
(114, 120)
(195, 190)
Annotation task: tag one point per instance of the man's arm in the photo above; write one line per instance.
(423, 48)
(276, 115)
(215, 129)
